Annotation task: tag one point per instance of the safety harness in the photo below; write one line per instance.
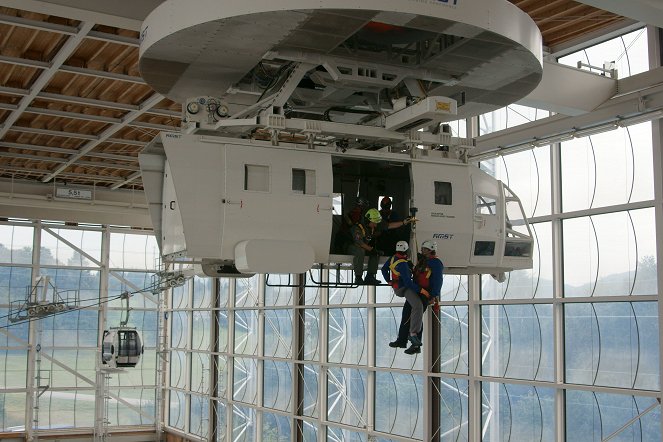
(366, 238)
(422, 277)
(395, 274)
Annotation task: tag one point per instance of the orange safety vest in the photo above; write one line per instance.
(395, 274)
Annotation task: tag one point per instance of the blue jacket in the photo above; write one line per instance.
(429, 278)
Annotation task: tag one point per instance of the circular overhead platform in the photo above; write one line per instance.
(485, 53)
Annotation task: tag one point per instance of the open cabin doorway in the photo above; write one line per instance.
(370, 180)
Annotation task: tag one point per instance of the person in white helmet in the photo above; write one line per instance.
(397, 270)
(427, 282)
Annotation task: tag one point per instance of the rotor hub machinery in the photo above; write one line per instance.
(359, 56)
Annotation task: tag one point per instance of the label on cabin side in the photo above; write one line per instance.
(443, 236)
(441, 215)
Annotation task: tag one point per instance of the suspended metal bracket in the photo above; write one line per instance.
(125, 297)
(43, 299)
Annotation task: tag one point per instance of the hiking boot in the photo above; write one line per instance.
(398, 344)
(413, 350)
(415, 340)
(371, 280)
(359, 280)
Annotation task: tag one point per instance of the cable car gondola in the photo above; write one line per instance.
(121, 346)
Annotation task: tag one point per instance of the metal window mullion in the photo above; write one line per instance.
(297, 357)
(102, 316)
(426, 371)
(558, 292)
(569, 300)
(323, 345)
(230, 362)
(655, 52)
(370, 376)
(474, 335)
(214, 362)
(188, 369)
(32, 353)
(163, 322)
(260, 364)
(594, 211)
(474, 359)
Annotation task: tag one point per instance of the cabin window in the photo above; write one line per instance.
(303, 181)
(486, 205)
(484, 248)
(443, 193)
(337, 203)
(256, 177)
(518, 248)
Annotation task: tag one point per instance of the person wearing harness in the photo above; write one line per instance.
(427, 279)
(363, 235)
(397, 270)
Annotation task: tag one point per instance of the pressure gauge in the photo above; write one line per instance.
(193, 108)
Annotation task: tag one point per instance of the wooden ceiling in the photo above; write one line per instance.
(74, 108)
(562, 21)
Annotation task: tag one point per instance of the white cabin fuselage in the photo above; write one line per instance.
(278, 209)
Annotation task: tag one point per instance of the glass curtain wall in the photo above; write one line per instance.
(49, 365)
(566, 350)
(585, 317)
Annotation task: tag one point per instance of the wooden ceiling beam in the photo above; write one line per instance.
(67, 30)
(102, 74)
(60, 150)
(526, 5)
(573, 23)
(53, 133)
(60, 160)
(106, 134)
(561, 14)
(87, 101)
(566, 35)
(45, 77)
(91, 178)
(37, 25)
(545, 7)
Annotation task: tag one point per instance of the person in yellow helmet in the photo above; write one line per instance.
(363, 235)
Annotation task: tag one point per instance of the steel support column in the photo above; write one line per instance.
(32, 351)
(558, 292)
(230, 363)
(655, 38)
(435, 389)
(474, 359)
(298, 334)
(99, 402)
(324, 352)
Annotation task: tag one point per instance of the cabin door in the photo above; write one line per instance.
(275, 194)
(440, 194)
